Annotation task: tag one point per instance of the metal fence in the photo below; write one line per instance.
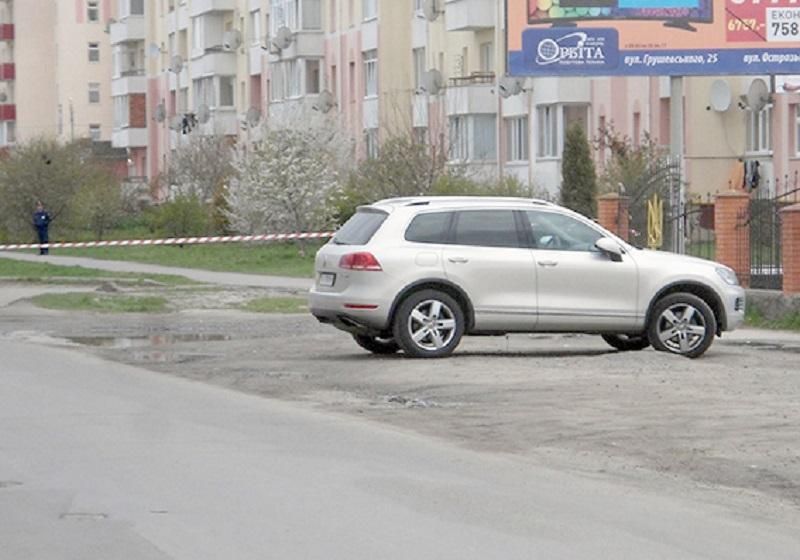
(761, 223)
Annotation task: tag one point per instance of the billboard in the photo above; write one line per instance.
(652, 37)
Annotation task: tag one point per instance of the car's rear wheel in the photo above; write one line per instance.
(376, 344)
(627, 342)
(682, 324)
(429, 324)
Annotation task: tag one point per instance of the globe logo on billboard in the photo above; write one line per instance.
(578, 47)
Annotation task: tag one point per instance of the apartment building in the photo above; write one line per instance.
(55, 68)
(431, 68)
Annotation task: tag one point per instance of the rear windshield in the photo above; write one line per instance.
(360, 228)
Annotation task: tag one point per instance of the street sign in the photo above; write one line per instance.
(652, 37)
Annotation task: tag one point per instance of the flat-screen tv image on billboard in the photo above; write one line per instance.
(671, 12)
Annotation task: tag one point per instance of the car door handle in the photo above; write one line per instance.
(548, 263)
(458, 260)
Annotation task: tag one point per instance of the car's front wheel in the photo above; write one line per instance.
(376, 344)
(682, 324)
(429, 324)
(627, 342)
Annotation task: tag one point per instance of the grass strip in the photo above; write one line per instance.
(101, 303)
(789, 322)
(285, 305)
(277, 259)
(42, 272)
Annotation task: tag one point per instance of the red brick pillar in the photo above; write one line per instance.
(790, 247)
(733, 233)
(612, 213)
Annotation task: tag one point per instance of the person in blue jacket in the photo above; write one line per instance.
(41, 221)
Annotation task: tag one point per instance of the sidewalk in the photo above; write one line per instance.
(207, 276)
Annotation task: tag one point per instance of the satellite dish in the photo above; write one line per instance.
(232, 40)
(203, 114)
(283, 38)
(720, 96)
(433, 82)
(325, 103)
(431, 9)
(160, 113)
(153, 50)
(758, 95)
(176, 65)
(253, 116)
(175, 122)
(509, 86)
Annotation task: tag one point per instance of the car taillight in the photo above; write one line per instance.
(360, 261)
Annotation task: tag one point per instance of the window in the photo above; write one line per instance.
(552, 119)
(121, 112)
(419, 6)
(7, 133)
(126, 8)
(292, 79)
(226, 95)
(204, 93)
(197, 34)
(487, 57)
(430, 228)
(557, 232)
(92, 10)
(486, 228)
(94, 52)
(296, 14)
(473, 137)
(421, 135)
(797, 129)
(255, 27)
(94, 132)
(759, 131)
(359, 229)
(418, 58)
(548, 132)
(370, 9)
(517, 139)
(94, 92)
(370, 73)
(312, 77)
(371, 142)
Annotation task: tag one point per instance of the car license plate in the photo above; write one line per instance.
(327, 279)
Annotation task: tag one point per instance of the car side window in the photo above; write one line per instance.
(430, 228)
(558, 232)
(486, 228)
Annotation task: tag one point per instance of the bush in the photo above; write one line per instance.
(579, 184)
(183, 216)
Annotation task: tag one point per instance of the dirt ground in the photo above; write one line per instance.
(724, 428)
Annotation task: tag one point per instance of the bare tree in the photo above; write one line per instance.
(201, 167)
(46, 170)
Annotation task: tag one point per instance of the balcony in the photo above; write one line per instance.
(8, 112)
(6, 31)
(128, 30)
(200, 7)
(305, 44)
(213, 62)
(472, 94)
(129, 82)
(223, 121)
(178, 20)
(287, 109)
(469, 15)
(8, 71)
(129, 138)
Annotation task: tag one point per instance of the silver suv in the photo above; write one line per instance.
(416, 274)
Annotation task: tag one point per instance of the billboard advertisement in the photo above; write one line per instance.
(652, 37)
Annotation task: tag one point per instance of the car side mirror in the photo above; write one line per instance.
(609, 247)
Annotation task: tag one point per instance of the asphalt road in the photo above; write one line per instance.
(104, 460)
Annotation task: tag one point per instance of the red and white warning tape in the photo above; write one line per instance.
(170, 241)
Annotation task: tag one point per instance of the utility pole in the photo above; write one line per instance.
(71, 121)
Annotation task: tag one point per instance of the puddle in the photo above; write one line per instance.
(145, 341)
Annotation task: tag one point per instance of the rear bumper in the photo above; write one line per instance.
(337, 309)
